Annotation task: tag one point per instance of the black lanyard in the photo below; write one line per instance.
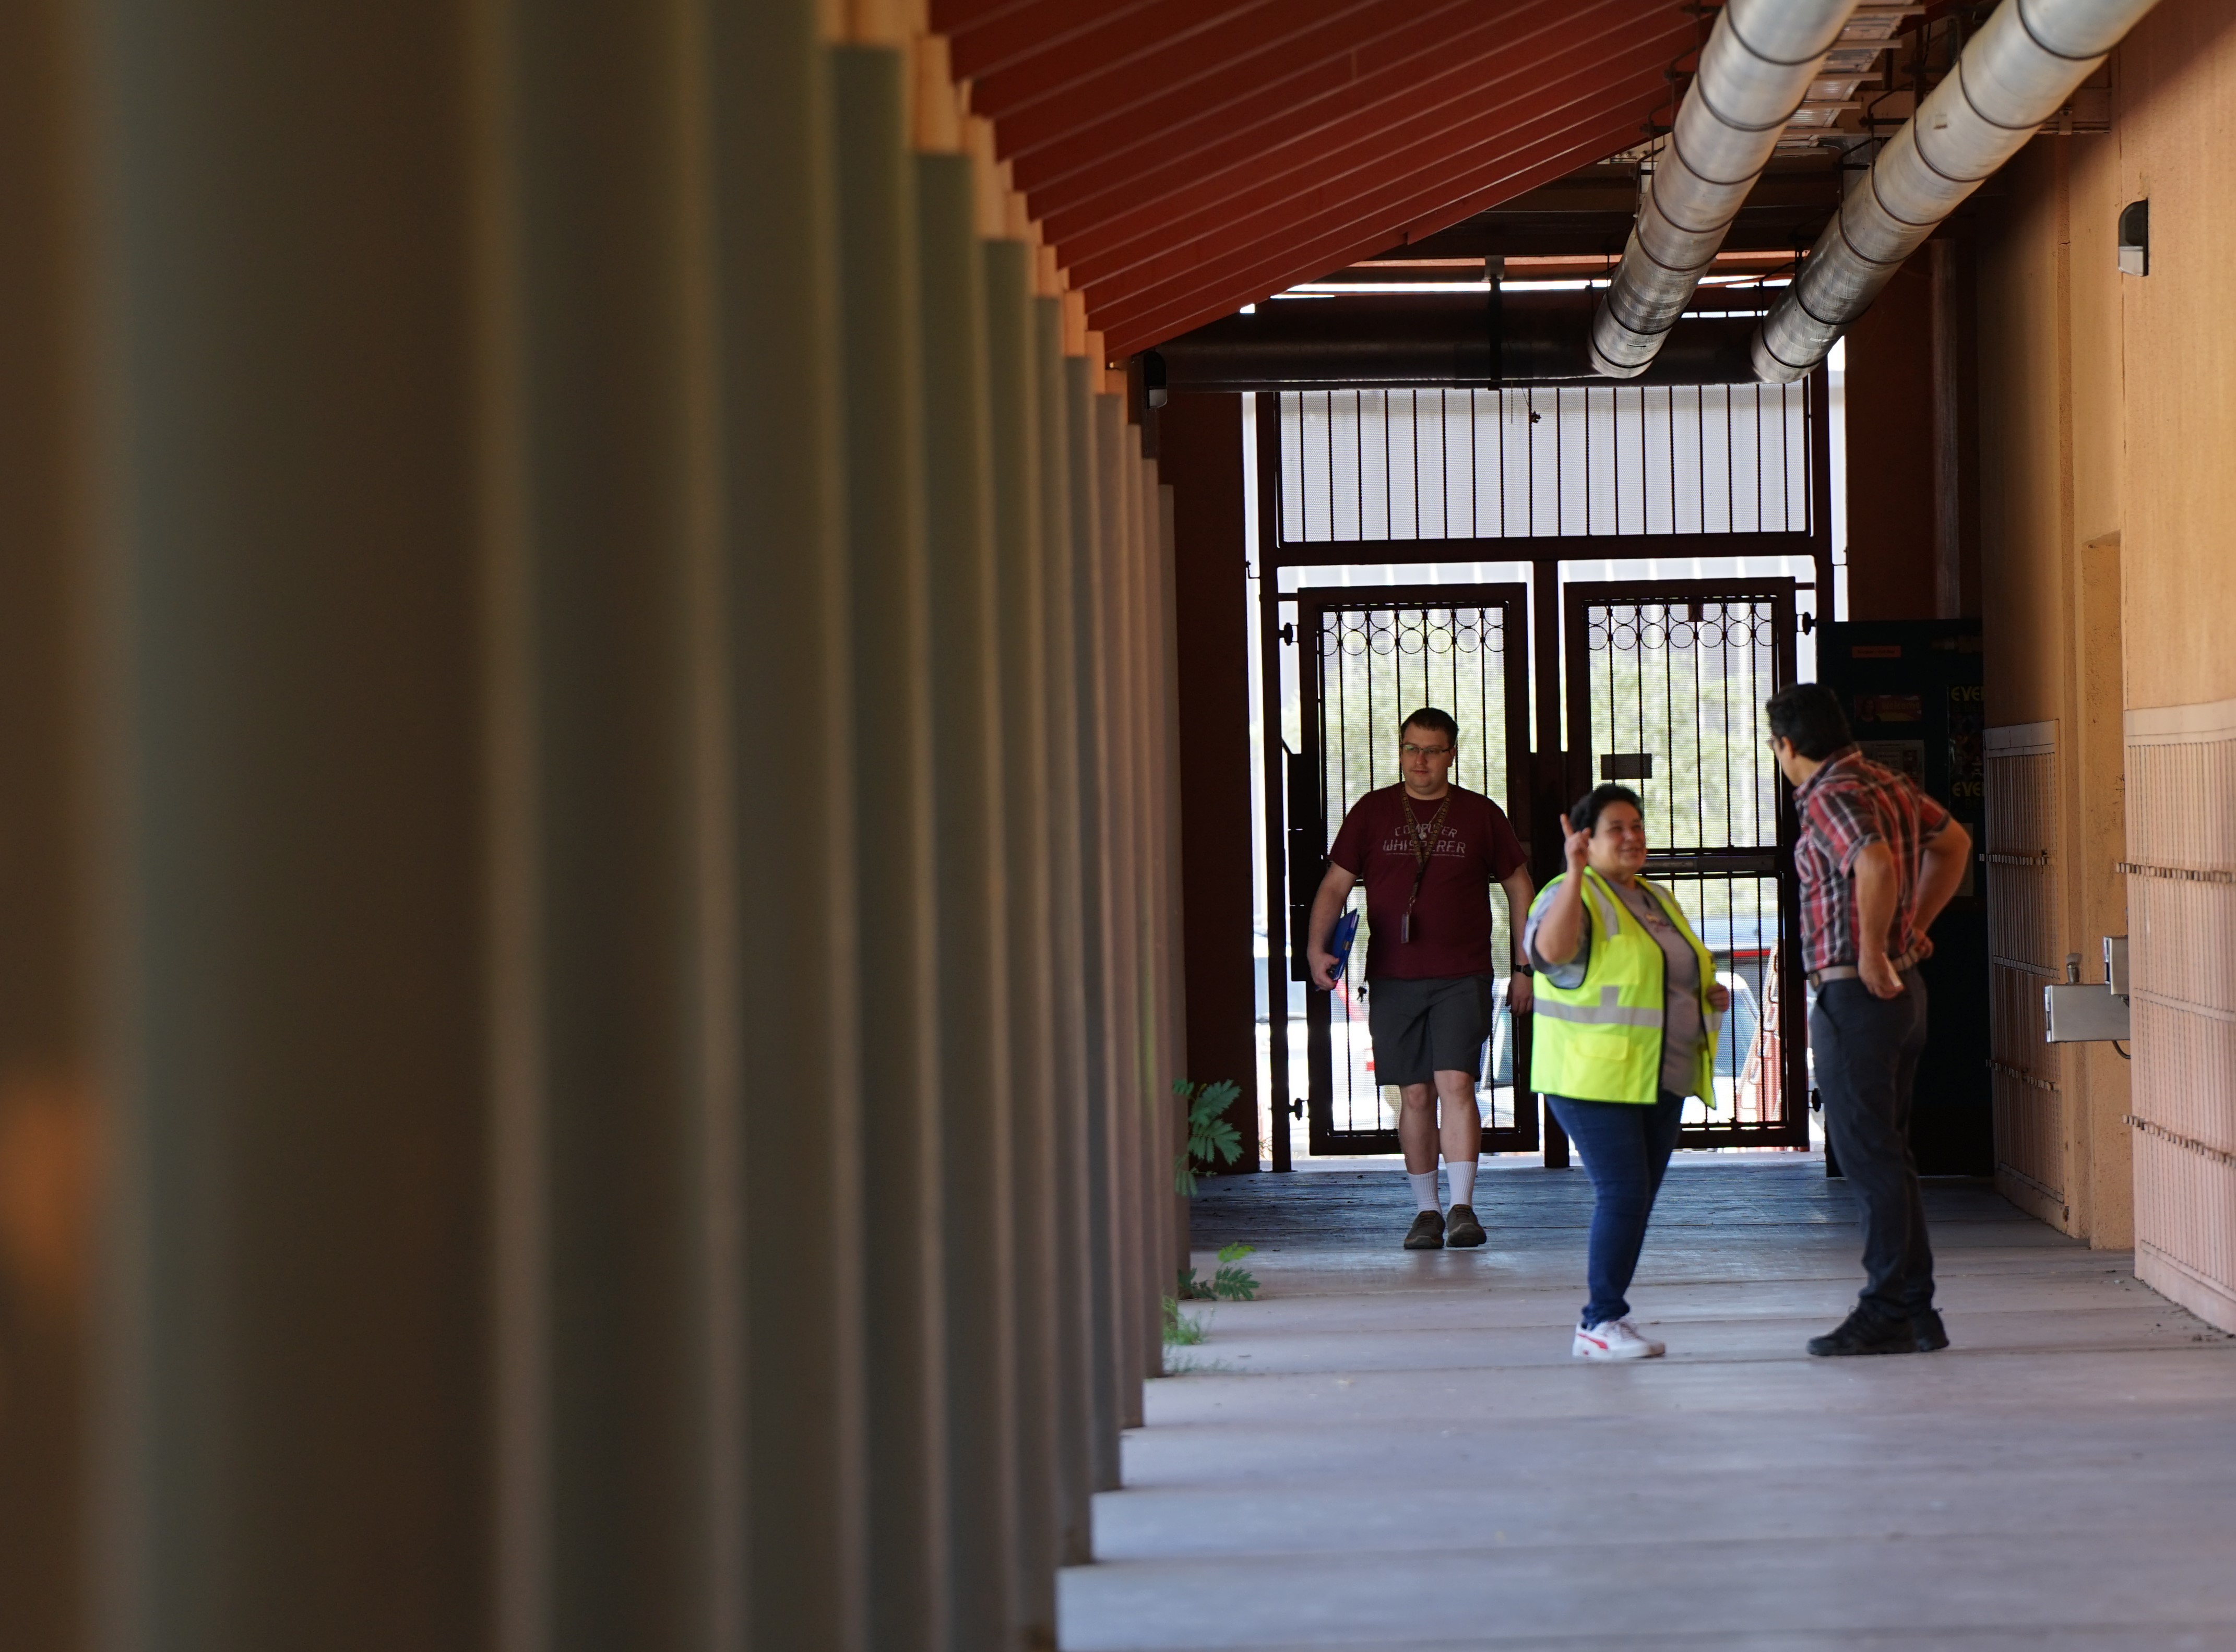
(1425, 847)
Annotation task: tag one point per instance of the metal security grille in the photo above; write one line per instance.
(1370, 659)
(2020, 765)
(1552, 477)
(1667, 681)
(1545, 462)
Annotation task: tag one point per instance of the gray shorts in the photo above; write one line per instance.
(1421, 1028)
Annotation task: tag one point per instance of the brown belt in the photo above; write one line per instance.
(1849, 971)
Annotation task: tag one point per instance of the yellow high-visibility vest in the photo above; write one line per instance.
(1601, 1040)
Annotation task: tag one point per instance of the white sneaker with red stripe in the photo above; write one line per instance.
(1614, 1339)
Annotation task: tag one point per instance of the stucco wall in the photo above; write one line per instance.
(2108, 495)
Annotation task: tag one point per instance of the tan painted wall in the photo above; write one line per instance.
(2108, 489)
(2050, 346)
(2177, 137)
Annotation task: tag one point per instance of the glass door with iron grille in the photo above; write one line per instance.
(1369, 655)
(1666, 684)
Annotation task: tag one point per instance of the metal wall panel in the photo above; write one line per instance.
(2023, 953)
(2182, 914)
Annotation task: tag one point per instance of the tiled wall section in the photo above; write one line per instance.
(2022, 944)
(2182, 915)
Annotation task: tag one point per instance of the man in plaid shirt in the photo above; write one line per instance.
(1878, 860)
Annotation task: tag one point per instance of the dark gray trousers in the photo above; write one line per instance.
(1866, 1052)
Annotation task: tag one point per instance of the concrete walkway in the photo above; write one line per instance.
(1395, 1450)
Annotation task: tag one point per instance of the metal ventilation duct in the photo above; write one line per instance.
(2014, 74)
(1754, 73)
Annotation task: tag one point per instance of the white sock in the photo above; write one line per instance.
(1463, 1181)
(1424, 1188)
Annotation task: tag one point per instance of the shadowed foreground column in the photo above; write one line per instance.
(889, 756)
(1082, 1413)
(51, 1089)
(1021, 653)
(601, 542)
(301, 1227)
(787, 1299)
(970, 965)
(1090, 735)
(1114, 632)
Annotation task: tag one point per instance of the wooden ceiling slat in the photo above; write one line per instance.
(1460, 105)
(1186, 157)
(1130, 101)
(1180, 135)
(991, 42)
(1092, 55)
(1170, 323)
(955, 18)
(1253, 270)
(1431, 161)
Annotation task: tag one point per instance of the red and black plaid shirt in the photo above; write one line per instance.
(1846, 807)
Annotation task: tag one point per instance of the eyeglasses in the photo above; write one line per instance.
(1409, 749)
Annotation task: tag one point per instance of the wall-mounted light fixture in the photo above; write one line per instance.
(2135, 238)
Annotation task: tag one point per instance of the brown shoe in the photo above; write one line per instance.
(1463, 1231)
(1427, 1232)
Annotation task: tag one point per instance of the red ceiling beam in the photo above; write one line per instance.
(1135, 314)
(1170, 323)
(1590, 96)
(1175, 139)
(957, 18)
(1129, 101)
(1057, 68)
(1448, 110)
(991, 40)
(1256, 269)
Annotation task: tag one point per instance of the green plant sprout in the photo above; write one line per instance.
(1180, 1331)
(1210, 1136)
(1228, 1283)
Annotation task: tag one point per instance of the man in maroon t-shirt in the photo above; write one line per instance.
(1428, 852)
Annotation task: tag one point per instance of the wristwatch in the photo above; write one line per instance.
(1523, 969)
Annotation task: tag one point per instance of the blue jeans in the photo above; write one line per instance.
(1626, 1148)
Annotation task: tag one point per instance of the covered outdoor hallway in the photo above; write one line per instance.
(674, 675)
(1394, 1451)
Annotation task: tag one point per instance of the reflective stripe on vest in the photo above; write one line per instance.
(1588, 1043)
(1606, 1013)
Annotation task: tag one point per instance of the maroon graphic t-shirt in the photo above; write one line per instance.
(1475, 848)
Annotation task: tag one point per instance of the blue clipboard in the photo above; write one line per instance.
(1346, 931)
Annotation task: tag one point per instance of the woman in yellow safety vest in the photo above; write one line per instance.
(1624, 1028)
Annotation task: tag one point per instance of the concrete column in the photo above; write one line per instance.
(52, 1099)
(300, 1423)
(601, 537)
(889, 754)
(971, 961)
(1171, 949)
(1159, 1261)
(1103, 1209)
(1130, 634)
(1021, 654)
(1200, 453)
(785, 1158)
(1123, 886)
(1076, 1416)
